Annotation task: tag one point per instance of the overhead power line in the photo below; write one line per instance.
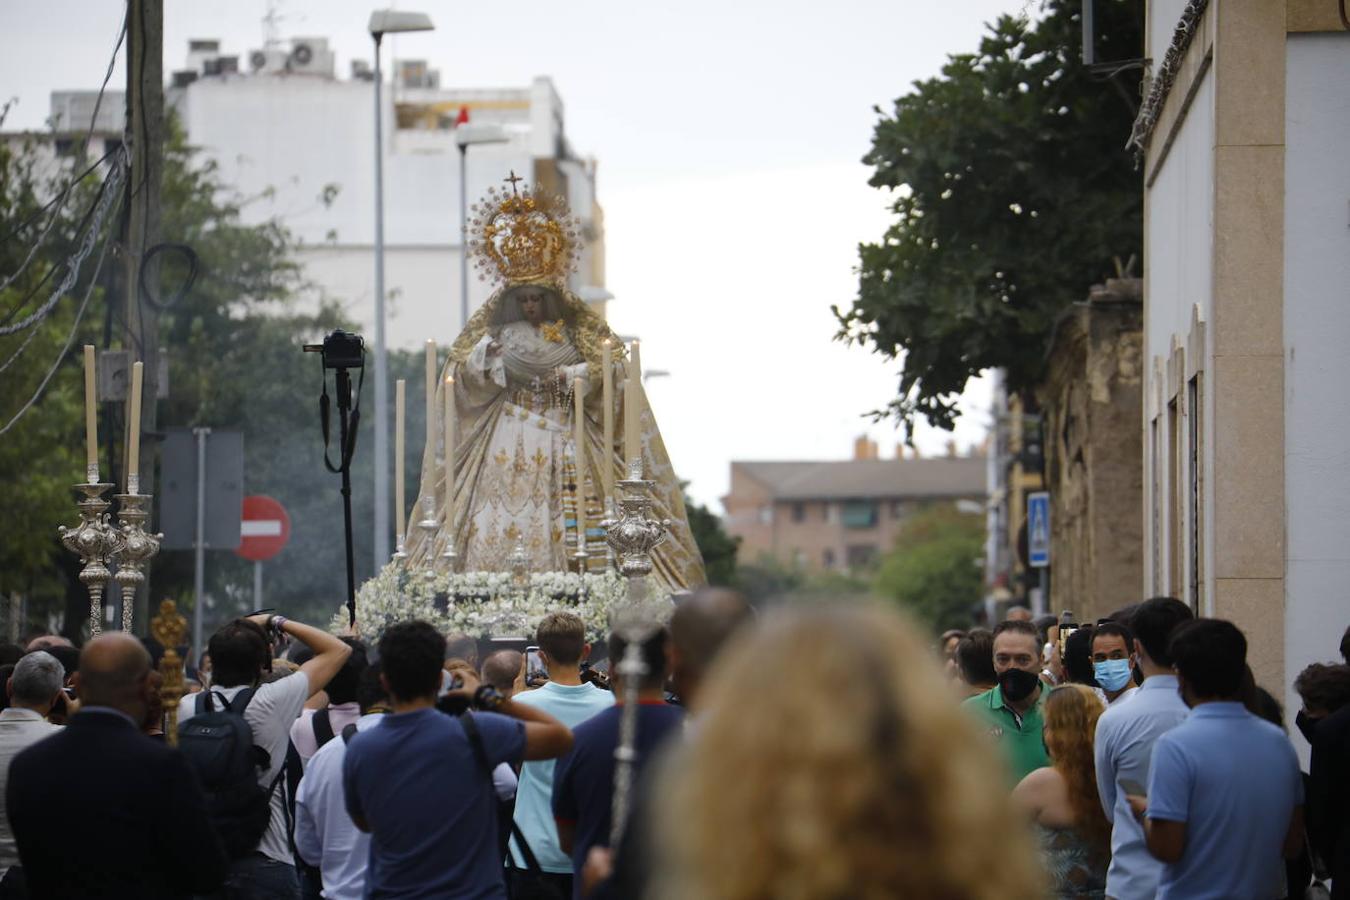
(65, 193)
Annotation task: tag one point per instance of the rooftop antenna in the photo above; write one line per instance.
(272, 24)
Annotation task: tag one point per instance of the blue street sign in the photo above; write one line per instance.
(1038, 529)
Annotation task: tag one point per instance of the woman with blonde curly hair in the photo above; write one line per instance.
(1062, 798)
(828, 761)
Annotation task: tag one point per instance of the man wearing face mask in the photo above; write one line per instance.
(1011, 710)
(1113, 661)
(1123, 747)
(1325, 723)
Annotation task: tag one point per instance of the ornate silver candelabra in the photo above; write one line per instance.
(135, 548)
(94, 540)
(632, 536)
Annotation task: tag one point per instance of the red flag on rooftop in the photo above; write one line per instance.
(463, 116)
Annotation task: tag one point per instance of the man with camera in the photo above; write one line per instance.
(421, 783)
(241, 652)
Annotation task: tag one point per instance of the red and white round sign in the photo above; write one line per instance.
(265, 528)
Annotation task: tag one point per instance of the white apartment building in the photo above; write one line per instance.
(298, 144)
(1247, 321)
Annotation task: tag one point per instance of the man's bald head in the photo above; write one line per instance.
(48, 641)
(114, 670)
(502, 668)
(699, 628)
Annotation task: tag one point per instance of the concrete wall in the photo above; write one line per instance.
(1316, 333)
(1178, 288)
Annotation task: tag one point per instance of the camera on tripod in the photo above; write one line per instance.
(341, 350)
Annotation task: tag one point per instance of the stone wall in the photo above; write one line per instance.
(1091, 400)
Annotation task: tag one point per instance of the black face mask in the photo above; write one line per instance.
(1307, 724)
(1017, 684)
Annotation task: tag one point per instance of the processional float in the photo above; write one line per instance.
(527, 236)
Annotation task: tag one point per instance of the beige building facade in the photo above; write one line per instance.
(1246, 413)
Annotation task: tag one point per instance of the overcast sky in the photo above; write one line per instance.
(728, 136)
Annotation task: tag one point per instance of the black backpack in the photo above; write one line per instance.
(218, 744)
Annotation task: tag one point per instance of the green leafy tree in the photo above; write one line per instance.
(1013, 194)
(934, 570)
(41, 450)
(718, 548)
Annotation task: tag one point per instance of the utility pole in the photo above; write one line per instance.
(145, 125)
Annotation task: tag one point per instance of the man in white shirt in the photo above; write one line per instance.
(32, 690)
(1123, 747)
(324, 834)
(241, 652)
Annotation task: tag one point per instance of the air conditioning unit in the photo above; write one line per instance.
(311, 56)
(267, 62)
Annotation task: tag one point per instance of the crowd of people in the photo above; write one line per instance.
(807, 753)
(1151, 764)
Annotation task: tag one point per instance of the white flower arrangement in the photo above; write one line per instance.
(482, 604)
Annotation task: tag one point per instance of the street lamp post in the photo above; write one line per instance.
(382, 22)
(465, 135)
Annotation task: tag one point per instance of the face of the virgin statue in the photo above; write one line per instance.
(532, 305)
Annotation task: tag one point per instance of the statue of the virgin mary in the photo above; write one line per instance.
(514, 369)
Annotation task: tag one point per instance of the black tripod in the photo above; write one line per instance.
(343, 352)
(348, 418)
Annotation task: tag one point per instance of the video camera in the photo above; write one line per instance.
(341, 350)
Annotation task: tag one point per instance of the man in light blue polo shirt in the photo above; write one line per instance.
(1126, 733)
(562, 644)
(1224, 806)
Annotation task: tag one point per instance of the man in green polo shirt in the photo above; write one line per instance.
(1010, 712)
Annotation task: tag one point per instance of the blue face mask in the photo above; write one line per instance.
(1113, 674)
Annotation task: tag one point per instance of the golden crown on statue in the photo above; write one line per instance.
(523, 236)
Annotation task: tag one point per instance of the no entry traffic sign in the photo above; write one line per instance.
(265, 528)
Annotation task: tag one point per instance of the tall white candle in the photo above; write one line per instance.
(606, 464)
(450, 442)
(90, 416)
(400, 512)
(579, 411)
(133, 479)
(431, 387)
(632, 408)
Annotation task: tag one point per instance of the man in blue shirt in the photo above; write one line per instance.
(1224, 805)
(583, 784)
(561, 638)
(1123, 747)
(422, 789)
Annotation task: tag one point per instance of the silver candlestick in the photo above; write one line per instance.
(134, 550)
(519, 561)
(429, 523)
(94, 539)
(632, 536)
(449, 556)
